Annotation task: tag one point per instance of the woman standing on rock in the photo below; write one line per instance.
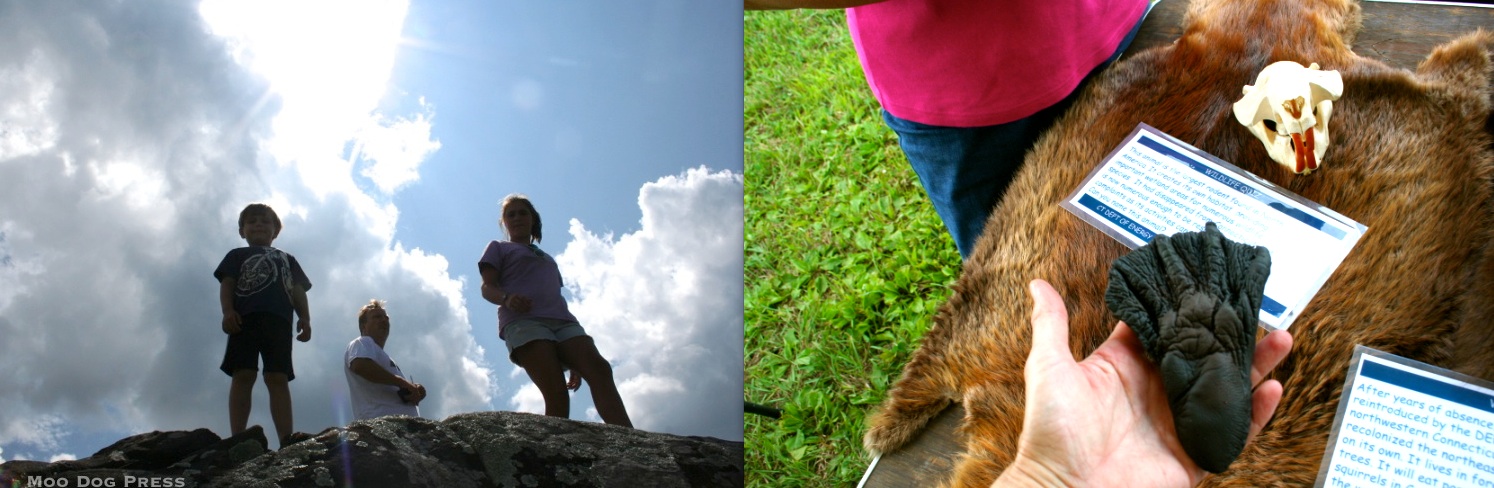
(541, 334)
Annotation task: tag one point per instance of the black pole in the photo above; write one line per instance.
(762, 410)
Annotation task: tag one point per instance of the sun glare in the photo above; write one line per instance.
(329, 62)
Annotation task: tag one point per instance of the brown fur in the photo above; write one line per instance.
(1409, 159)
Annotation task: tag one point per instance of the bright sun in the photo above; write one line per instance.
(329, 61)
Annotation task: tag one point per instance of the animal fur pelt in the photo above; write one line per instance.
(1410, 160)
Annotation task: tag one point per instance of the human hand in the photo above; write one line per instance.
(412, 393)
(232, 324)
(303, 325)
(520, 303)
(1105, 421)
(575, 382)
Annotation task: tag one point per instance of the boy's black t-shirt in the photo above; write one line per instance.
(266, 277)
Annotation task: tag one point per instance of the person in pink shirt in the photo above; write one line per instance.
(969, 85)
(541, 334)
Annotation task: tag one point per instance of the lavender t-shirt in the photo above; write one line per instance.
(525, 270)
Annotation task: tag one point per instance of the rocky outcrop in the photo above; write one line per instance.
(485, 449)
(158, 459)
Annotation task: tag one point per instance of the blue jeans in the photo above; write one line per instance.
(965, 170)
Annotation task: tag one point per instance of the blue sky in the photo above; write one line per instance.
(554, 100)
(575, 106)
(384, 133)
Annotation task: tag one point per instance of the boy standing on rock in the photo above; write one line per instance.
(259, 289)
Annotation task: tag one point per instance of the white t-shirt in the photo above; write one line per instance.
(371, 399)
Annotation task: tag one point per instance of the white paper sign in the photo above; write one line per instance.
(1154, 184)
(1406, 423)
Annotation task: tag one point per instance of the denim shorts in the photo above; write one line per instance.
(524, 331)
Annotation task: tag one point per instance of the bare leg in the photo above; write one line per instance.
(581, 353)
(280, 404)
(240, 400)
(541, 361)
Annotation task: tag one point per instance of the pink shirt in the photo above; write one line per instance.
(971, 63)
(523, 271)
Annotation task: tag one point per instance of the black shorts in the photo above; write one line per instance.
(260, 334)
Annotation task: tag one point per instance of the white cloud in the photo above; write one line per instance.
(130, 138)
(62, 457)
(528, 398)
(14, 272)
(24, 127)
(327, 60)
(39, 431)
(395, 148)
(665, 307)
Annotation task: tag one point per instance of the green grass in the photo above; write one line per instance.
(846, 261)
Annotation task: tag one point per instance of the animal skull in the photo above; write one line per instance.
(1288, 110)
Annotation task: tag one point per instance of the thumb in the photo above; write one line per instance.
(1050, 324)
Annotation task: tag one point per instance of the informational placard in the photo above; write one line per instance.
(1154, 184)
(1406, 423)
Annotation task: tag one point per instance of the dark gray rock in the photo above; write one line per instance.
(226, 454)
(485, 449)
(153, 450)
(389, 451)
(520, 450)
(158, 459)
(138, 453)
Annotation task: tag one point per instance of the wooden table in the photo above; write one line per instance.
(1400, 34)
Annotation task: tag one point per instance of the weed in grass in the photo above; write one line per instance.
(845, 262)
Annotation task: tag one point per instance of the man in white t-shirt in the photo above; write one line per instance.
(376, 384)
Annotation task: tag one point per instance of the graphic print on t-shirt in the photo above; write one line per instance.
(260, 270)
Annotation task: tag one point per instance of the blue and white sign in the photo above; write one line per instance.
(1406, 423)
(1154, 184)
